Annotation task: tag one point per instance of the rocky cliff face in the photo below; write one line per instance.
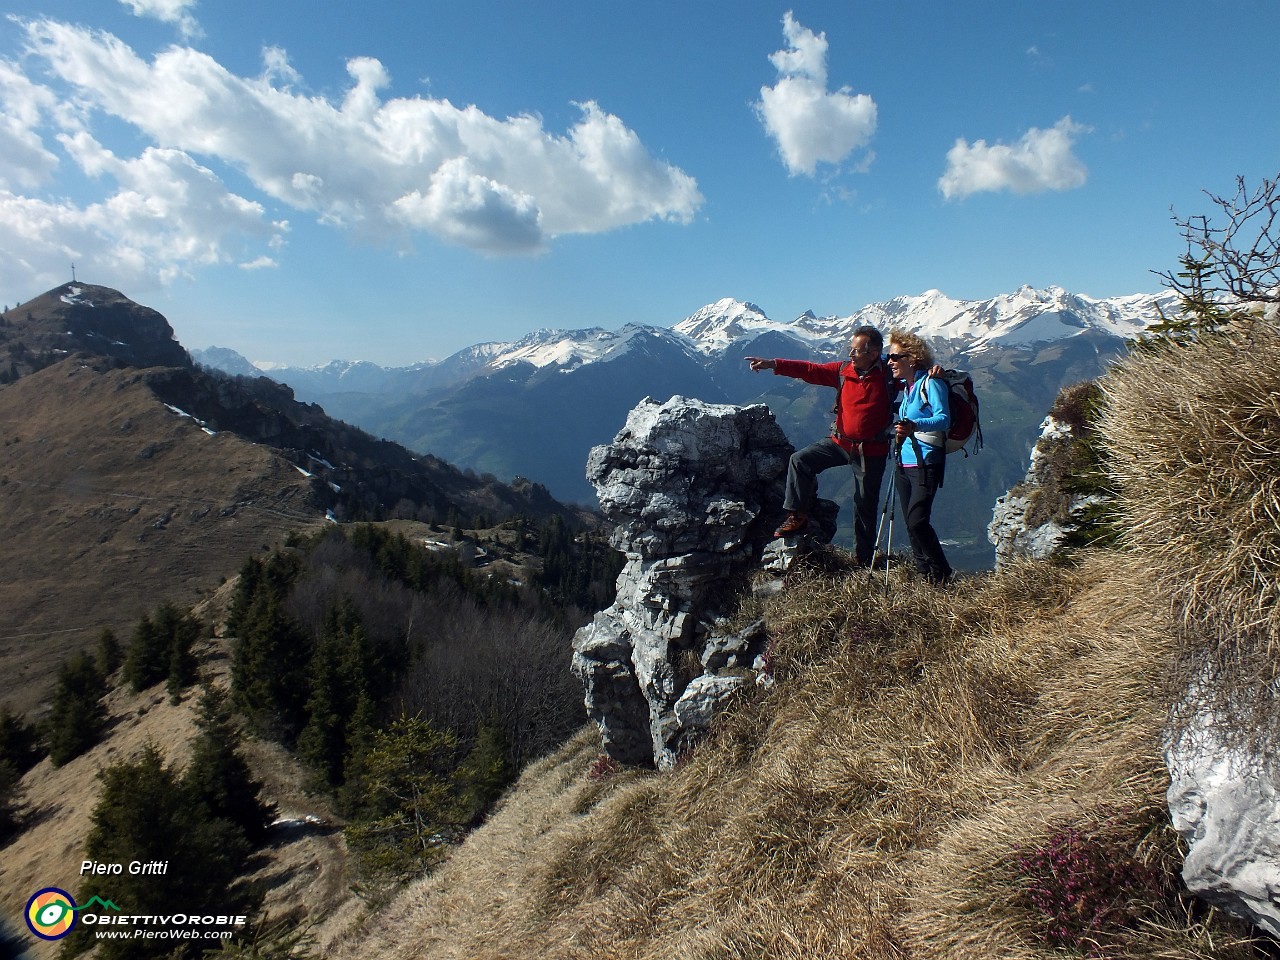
(695, 490)
(1034, 519)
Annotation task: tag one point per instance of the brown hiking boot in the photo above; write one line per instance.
(794, 523)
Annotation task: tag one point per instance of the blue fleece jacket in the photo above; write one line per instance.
(928, 405)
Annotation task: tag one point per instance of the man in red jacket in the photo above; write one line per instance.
(859, 436)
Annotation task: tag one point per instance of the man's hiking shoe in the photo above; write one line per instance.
(794, 523)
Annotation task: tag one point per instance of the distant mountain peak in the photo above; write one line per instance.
(718, 324)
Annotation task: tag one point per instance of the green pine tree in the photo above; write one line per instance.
(147, 661)
(161, 650)
(269, 669)
(408, 808)
(77, 717)
(484, 774)
(110, 653)
(1199, 310)
(19, 741)
(218, 775)
(340, 680)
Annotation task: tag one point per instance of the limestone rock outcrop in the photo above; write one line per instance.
(1034, 519)
(695, 491)
(1224, 799)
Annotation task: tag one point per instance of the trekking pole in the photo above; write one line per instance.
(880, 527)
(888, 544)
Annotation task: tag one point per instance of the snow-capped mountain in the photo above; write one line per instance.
(1025, 317)
(536, 406)
(719, 324)
(569, 349)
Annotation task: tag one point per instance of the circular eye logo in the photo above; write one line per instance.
(51, 913)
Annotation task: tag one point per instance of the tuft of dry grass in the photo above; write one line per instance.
(1192, 430)
(1193, 435)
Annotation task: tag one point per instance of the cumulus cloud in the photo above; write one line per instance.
(1041, 160)
(177, 12)
(809, 123)
(471, 209)
(383, 168)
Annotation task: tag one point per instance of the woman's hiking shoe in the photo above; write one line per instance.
(794, 523)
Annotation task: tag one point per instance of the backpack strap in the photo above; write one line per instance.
(935, 438)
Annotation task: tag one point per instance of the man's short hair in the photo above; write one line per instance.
(872, 334)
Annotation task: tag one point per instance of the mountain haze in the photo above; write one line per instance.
(535, 407)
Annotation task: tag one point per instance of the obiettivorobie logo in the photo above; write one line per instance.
(52, 913)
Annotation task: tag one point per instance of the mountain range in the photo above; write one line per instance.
(535, 407)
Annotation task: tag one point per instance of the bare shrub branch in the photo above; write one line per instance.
(1242, 257)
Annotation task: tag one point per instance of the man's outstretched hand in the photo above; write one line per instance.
(760, 363)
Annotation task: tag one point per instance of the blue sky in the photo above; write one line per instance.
(311, 180)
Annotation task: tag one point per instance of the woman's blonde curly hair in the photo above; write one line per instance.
(914, 345)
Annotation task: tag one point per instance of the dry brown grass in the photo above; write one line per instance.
(1193, 434)
(865, 806)
(90, 463)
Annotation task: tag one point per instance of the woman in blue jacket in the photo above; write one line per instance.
(925, 409)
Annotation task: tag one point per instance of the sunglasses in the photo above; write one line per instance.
(898, 356)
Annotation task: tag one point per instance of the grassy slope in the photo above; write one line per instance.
(875, 801)
(869, 804)
(90, 465)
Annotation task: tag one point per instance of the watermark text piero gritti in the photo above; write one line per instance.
(137, 868)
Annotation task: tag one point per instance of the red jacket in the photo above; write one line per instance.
(863, 413)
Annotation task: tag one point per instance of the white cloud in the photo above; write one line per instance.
(24, 160)
(810, 124)
(177, 12)
(167, 215)
(382, 168)
(1041, 160)
(470, 209)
